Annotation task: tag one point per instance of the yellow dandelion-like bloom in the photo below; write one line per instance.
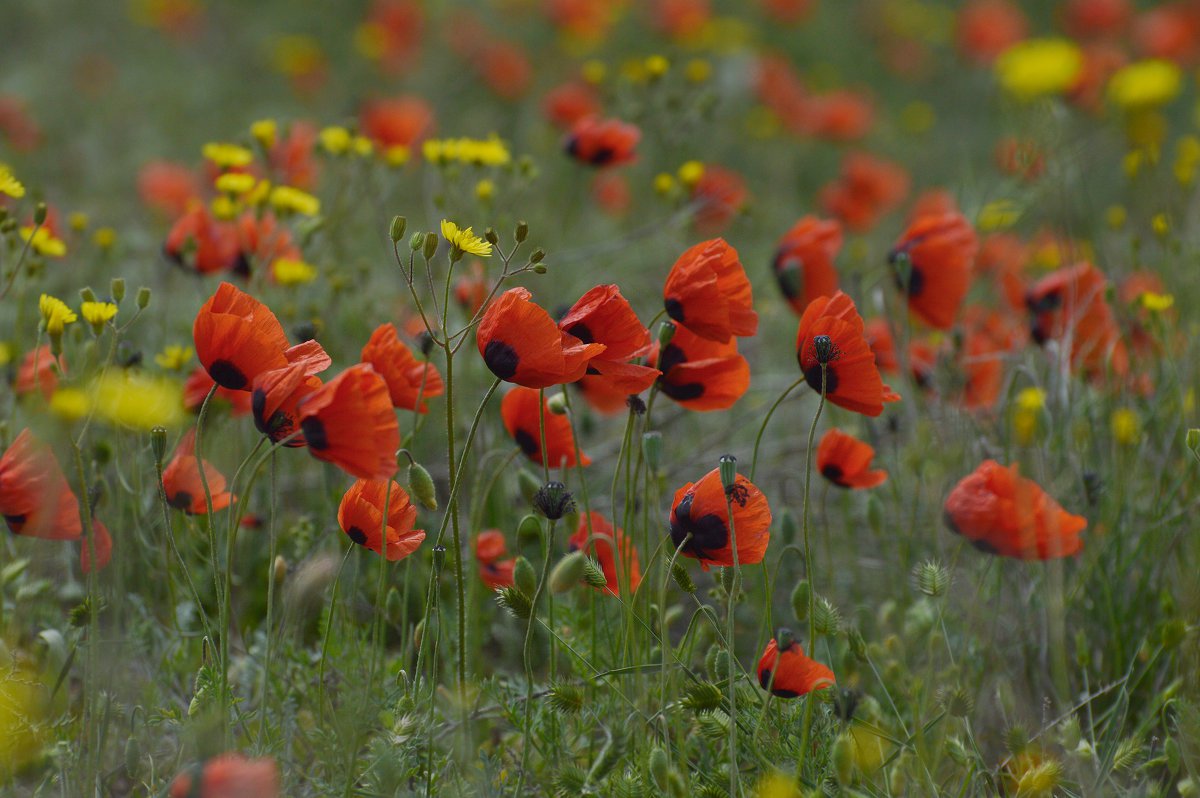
(362, 146)
(485, 190)
(656, 66)
(104, 237)
(998, 215)
(1116, 216)
(288, 198)
(6, 353)
(225, 207)
(289, 271)
(138, 400)
(43, 242)
(1126, 426)
(78, 221)
(174, 357)
(9, 184)
(335, 140)
(1160, 224)
(397, 155)
(698, 70)
(70, 404)
(226, 156)
(1145, 84)
(265, 132)
(1032, 399)
(664, 184)
(55, 314)
(98, 314)
(235, 183)
(691, 173)
(1025, 424)
(1156, 303)
(1039, 67)
(465, 241)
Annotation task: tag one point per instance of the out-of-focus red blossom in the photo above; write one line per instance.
(505, 67)
(803, 262)
(490, 549)
(1003, 257)
(201, 242)
(182, 20)
(1100, 61)
(395, 28)
(611, 192)
(38, 371)
(567, 103)
(932, 202)
(867, 188)
(789, 12)
(168, 187)
(923, 354)
(262, 240)
(1084, 19)
(17, 126)
(103, 545)
(939, 251)
(986, 28)
(471, 288)
(182, 483)
(780, 89)
(35, 498)
(720, 194)
(1168, 31)
(1069, 305)
(396, 122)
(1021, 158)
(292, 156)
(197, 386)
(603, 142)
(922, 363)
(700, 374)
(409, 380)
(990, 338)
(587, 21)
(600, 544)
(1144, 342)
(840, 116)
(790, 673)
(846, 461)
(681, 19)
(228, 776)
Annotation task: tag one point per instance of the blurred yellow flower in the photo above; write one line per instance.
(485, 190)
(138, 400)
(235, 183)
(1160, 224)
(10, 185)
(1126, 426)
(698, 70)
(691, 173)
(1031, 399)
(777, 785)
(663, 183)
(1025, 425)
(1115, 216)
(225, 208)
(491, 151)
(42, 242)
(226, 156)
(1156, 302)
(174, 357)
(288, 198)
(335, 139)
(70, 404)
(265, 132)
(362, 146)
(465, 241)
(998, 215)
(288, 271)
(397, 155)
(55, 313)
(78, 221)
(24, 705)
(1036, 68)
(6, 353)
(656, 66)
(1145, 84)
(594, 71)
(104, 237)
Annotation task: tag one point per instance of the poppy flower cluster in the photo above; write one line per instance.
(708, 292)
(521, 344)
(700, 521)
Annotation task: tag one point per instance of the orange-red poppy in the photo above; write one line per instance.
(291, 156)
(35, 498)
(603, 542)
(521, 344)
(103, 544)
(490, 550)
(1170, 31)
(167, 187)
(780, 89)
(846, 461)
(840, 116)
(522, 410)
(1093, 18)
(1070, 305)
(395, 29)
(987, 28)
(262, 240)
(237, 338)
(700, 374)
(17, 126)
(1000, 512)
(567, 103)
(789, 12)
(867, 188)
(603, 316)
(199, 241)
(183, 485)
(39, 370)
(197, 386)
(681, 19)
(708, 292)
(504, 66)
(803, 261)
(937, 253)
(699, 510)
(409, 380)
(610, 190)
(603, 142)
(349, 422)
(790, 673)
(585, 21)
(228, 776)
(398, 122)
(275, 398)
(1021, 158)
(719, 195)
(471, 289)
(990, 337)
(832, 330)
(360, 515)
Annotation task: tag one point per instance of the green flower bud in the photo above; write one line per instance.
(1193, 439)
(143, 297)
(39, 214)
(728, 469)
(416, 242)
(800, 599)
(524, 577)
(430, 247)
(659, 766)
(421, 485)
(87, 294)
(529, 530)
(568, 572)
(537, 256)
(515, 602)
(490, 236)
(652, 450)
(521, 232)
(666, 331)
(843, 759)
(396, 231)
(788, 526)
(557, 404)
(539, 269)
(117, 288)
(158, 443)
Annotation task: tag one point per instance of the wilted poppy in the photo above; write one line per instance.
(521, 410)
(1070, 305)
(844, 460)
(1000, 512)
(932, 263)
(521, 344)
(35, 498)
(228, 776)
(701, 374)
(603, 142)
(603, 316)
(199, 241)
(349, 422)
(197, 386)
(803, 263)
(39, 371)
(603, 542)
(275, 398)
(237, 338)
(360, 515)
(708, 292)
(103, 545)
(851, 378)
(409, 380)
(490, 549)
(611, 192)
(699, 516)
(790, 673)
(183, 485)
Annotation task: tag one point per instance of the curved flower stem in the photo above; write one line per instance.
(528, 652)
(377, 630)
(767, 420)
(325, 640)
(729, 643)
(273, 550)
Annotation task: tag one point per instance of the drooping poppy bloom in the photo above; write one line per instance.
(604, 542)
(103, 544)
(986, 28)
(275, 398)
(168, 187)
(851, 377)
(867, 188)
(35, 498)
(183, 485)
(409, 380)
(567, 103)
(237, 338)
(521, 344)
(932, 266)
(39, 371)
(790, 673)
(845, 461)
(603, 316)
(490, 550)
(396, 123)
(349, 422)
(201, 242)
(360, 515)
(840, 116)
(803, 263)
(1000, 512)
(708, 292)
(699, 511)
(228, 776)
(603, 142)
(197, 386)
(700, 374)
(522, 419)
(720, 194)
(1070, 305)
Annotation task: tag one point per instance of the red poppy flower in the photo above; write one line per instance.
(103, 546)
(932, 202)
(700, 374)
(600, 543)
(521, 344)
(200, 242)
(360, 515)
(789, 12)
(681, 19)
(866, 189)
(843, 460)
(168, 187)
(291, 156)
(780, 89)
(840, 116)
(566, 104)
(603, 142)
(262, 240)
(851, 377)
(719, 195)
(986, 28)
(603, 316)
(1000, 512)
(1170, 31)
(699, 510)
(708, 292)
(408, 379)
(803, 262)
(883, 346)
(1021, 158)
(35, 498)
(471, 289)
(197, 386)
(17, 126)
(349, 422)
(494, 571)
(1087, 18)
(990, 337)
(182, 483)
(399, 122)
(237, 338)
(228, 776)
(611, 192)
(396, 26)
(504, 66)
(519, 409)
(794, 673)
(939, 251)
(275, 398)
(1070, 305)
(39, 371)
(586, 21)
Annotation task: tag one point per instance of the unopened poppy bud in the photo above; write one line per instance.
(728, 472)
(394, 605)
(416, 242)
(439, 558)
(557, 404)
(652, 449)
(660, 768)
(39, 214)
(133, 756)
(788, 526)
(540, 269)
(567, 572)
(823, 347)
(430, 246)
(398, 226)
(843, 759)
(537, 256)
(682, 578)
(158, 443)
(117, 288)
(593, 574)
(529, 530)
(666, 331)
(521, 232)
(1193, 439)
(87, 294)
(801, 594)
(553, 500)
(524, 577)
(489, 235)
(143, 297)
(728, 578)
(279, 568)
(421, 485)
(419, 634)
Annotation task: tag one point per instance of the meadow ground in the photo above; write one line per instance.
(595, 397)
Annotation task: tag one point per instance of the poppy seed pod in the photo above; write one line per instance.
(728, 472)
(553, 500)
(524, 577)
(823, 347)
(557, 404)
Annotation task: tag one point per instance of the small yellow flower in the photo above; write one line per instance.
(10, 185)
(55, 314)
(104, 237)
(1145, 84)
(656, 66)
(664, 183)
(335, 140)
(78, 221)
(226, 156)
(225, 207)
(594, 72)
(397, 155)
(1025, 425)
(1156, 303)
(998, 215)
(777, 785)
(70, 404)
(1031, 399)
(43, 243)
(258, 195)
(288, 198)
(138, 400)
(917, 117)
(698, 70)
(265, 132)
(289, 271)
(235, 183)
(1126, 426)
(485, 190)
(691, 173)
(6, 353)
(98, 314)
(362, 146)
(174, 357)
(1036, 68)
(1160, 224)
(1116, 216)
(465, 241)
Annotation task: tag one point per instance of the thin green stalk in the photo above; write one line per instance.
(729, 642)
(767, 420)
(325, 640)
(273, 548)
(528, 653)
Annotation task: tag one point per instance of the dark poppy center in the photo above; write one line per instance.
(916, 281)
(671, 357)
(314, 433)
(581, 331)
(227, 375)
(812, 375)
(357, 535)
(501, 358)
(787, 274)
(708, 532)
(674, 309)
(833, 473)
(527, 442)
(682, 391)
(182, 500)
(602, 155)
(15, 523)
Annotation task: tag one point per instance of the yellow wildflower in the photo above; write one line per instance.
(6, 353)
(225, 208)
(42, 242)
(10, 185)
(485, 190)
(258, 195)
(235, 183)
(174, 357)
(335, 139)
(1126, 426)
(265, 132)
(1145, 128)
(691, 173)
(98, 314)
(594, 71)
(297, 55)
(288, 198)
(1115, 216)
(1145, 84)
(25, 704)
(139, 400)
(226, 156)
(70, 404)
(698, 70)
(1156, 302)
(397, 155)
(104, 237)
(664, 184)
(370, 39)
(1036, 68)
(78, 221)
(362, 146)
(289, 271)
(777, 785)
(465, 241)
(656, 66)
(1160, 224)
(55, 314)
(998, 215)
(1031, 399)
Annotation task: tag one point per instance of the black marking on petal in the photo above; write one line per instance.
(674, 309)
(357, 535)
(181, 500)
(581, 331)
(227, 375)
(501, 358)
(812, 376)
(833, 473)
(527, 442)
(314, 433)
(682, 391)
(708, 532)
